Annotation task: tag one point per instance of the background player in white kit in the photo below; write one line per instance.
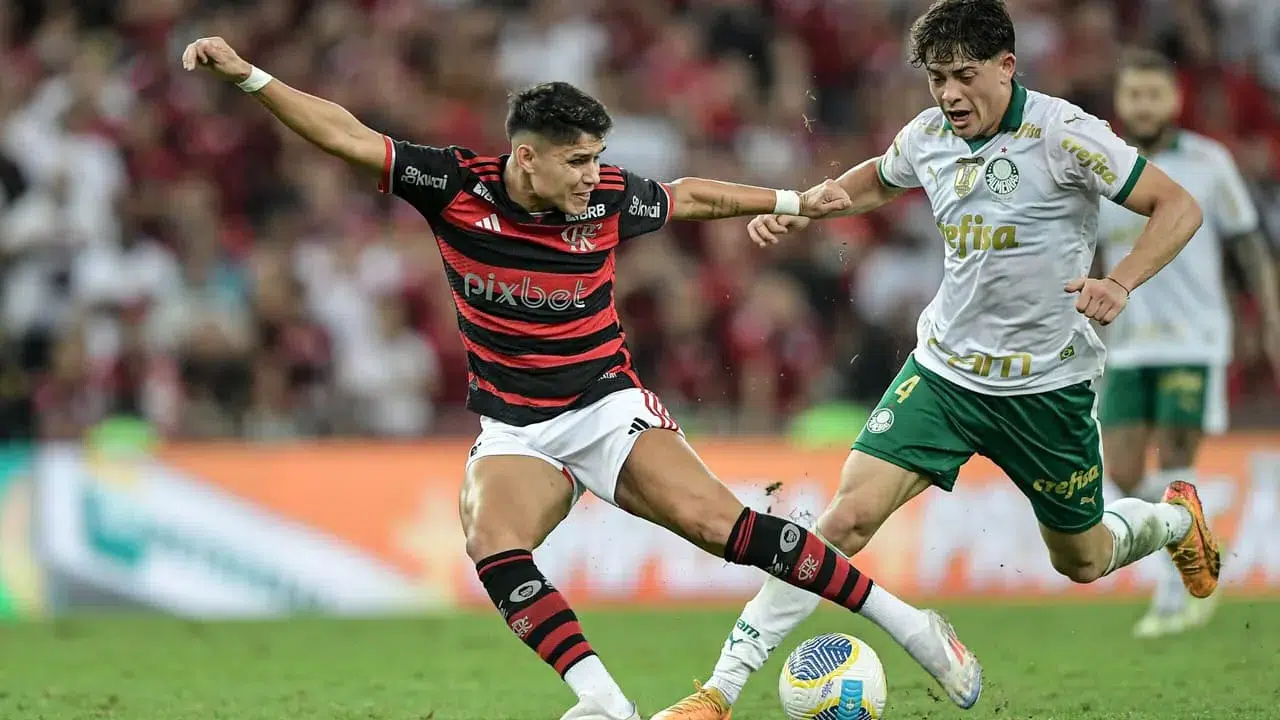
(1167, 354)
(1006, 356)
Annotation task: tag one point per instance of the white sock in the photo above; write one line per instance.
(589, 678)
(905, 623)
(1139, 528)
(1170, 595)
(765, 621)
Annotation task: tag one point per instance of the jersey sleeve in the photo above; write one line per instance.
(895, 166)
(426, 177)
(646, 206)
(1085, 154)
(1233, 210)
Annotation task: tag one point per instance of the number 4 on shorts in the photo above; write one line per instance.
(903, 391)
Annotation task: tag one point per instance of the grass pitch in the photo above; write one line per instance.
(1066, 662)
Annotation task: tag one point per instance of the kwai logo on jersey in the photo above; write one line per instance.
(1001, 176)
(1095, 162)
(523, 293)
(972, 236)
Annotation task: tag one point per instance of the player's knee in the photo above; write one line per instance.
(483, 542)
(1078, 569)
(844, 527)
(485, 535)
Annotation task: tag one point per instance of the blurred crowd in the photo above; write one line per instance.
(169, 252)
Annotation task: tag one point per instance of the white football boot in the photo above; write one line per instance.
(940, 652)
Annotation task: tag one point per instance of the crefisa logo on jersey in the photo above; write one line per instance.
(581, 238)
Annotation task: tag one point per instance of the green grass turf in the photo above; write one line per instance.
(1066, 662)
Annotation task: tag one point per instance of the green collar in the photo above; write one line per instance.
(1011, 121)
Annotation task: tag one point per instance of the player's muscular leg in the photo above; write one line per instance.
(1125, 449)
(870, 491)
(509, 502)
(665, 482)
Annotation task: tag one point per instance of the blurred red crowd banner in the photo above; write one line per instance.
(398, 503)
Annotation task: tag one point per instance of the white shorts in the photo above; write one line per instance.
(589, 445)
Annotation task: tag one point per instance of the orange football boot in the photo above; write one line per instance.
(706, 703)
(1197, 555)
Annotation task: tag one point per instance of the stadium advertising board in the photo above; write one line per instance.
(396, 505)
(22, 587)
(136, 531)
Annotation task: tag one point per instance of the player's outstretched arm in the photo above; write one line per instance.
(325, 124)
(864, 186)
(702, 199)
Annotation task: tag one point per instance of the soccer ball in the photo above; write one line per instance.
(833, 677)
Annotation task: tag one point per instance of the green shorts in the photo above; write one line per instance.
(1170, 396)
(1047, 443)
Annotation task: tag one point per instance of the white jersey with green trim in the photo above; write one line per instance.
(1018, 215)
(1181, 316)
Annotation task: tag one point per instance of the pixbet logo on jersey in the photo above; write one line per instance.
(522, 293)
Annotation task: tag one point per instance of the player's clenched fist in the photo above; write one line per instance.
(1100, 300)
(217, 56)
(769, 229)
(822, 200)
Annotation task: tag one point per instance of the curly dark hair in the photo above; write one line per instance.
(964, 29)
(558, 112)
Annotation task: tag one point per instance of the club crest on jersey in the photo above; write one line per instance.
(1001, 176)
(967, 175)
(581, 238)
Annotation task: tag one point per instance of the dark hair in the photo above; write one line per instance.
(965, 29)
(558, 112)
(1145, 60)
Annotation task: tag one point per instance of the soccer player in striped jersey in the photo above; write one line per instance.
(528, 241)
(1167, 354)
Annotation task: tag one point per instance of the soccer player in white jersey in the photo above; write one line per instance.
(1166, 355)
(1006, 357)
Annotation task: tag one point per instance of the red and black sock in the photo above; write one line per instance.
(534, 610)
(796, 556)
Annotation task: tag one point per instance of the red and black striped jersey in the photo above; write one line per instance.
(533, 292)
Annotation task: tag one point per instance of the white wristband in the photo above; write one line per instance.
(257, 79)
(788, 202)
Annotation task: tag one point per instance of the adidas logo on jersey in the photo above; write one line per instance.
(490, 223)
